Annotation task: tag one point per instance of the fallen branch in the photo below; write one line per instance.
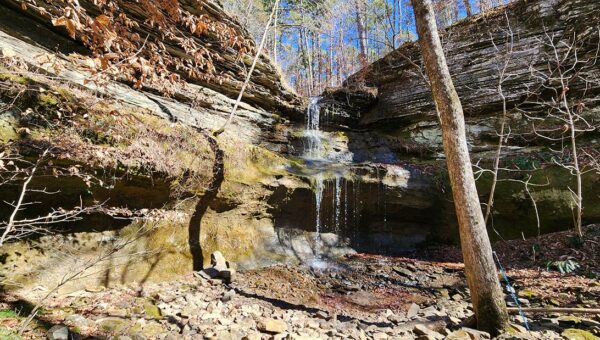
(241, 94)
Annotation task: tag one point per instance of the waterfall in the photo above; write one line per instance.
(337, 203)
(319, 188)
(320, 162)
(312, 131)
(312, 151)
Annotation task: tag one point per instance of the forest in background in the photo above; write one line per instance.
(319, 43)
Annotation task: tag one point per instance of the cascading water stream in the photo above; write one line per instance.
(319, 188)
(313, 151)
(337, 203)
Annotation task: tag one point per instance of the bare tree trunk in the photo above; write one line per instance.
(468, 8)
(484, 5)
(276, 34)
(578, 194)
(340, 59)
(306, 48)
(482, 276)
(319, 57)
(330, 60)
(362, 30)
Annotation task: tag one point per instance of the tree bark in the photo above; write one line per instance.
(482, 276)
(362, 30)
(468, 8)
(276, 34)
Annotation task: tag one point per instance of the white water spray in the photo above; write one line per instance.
(312, 131)
(337, 203)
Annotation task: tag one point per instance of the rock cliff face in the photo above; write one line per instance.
(513, 46)
(523, 47)
(197, 41)
(138, 146)
(165, 192)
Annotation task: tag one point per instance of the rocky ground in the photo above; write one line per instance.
(359, 297)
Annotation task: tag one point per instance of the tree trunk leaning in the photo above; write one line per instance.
(482, 276)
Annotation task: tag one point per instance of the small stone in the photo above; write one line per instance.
(527, 293)
(299, 337)
(228, 296)
(78, 321)
(58, 332)
(151, 310)
(404, 272)
(455, 321)
(271, 326)
(578, 334)
(424, 331)
(413, 310)
(554, 302)
(94, 289)
(252, 336)
(217, 260)
(457, 297)
(322, 315)
(380, 336)
(569, 320)
(227, 274)
(281, 336)
(519, 328)
(7, 52)
(312, 324)
(590, 323)
(430, 311)
(475, 334)
(203, 274)
(112, 324)
(444, 293)
(458, 335)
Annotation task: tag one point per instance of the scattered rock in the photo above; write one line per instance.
(413, 310)
(94, 289)
(380, 336)
(322, 315)
(404, 272)
(527, 293)
(590, 323)
(228, 296)
(151, 310)
(58, 332)
(219, 268)
(112, 324)
(578, 334)
(422, 330)
(271, 326)
(475, 334)
(78, 321)
(458, 335)
(252, 336)
(6, 52)
(569, 320)
(518, 328)
(217, 260)
(457, 297)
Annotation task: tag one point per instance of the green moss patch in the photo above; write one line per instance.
(578, 334)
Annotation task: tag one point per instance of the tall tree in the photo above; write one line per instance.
(361, 28)
(468, 7)
(482, 276)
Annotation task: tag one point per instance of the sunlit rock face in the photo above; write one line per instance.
(146, 160)
(397, 123)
